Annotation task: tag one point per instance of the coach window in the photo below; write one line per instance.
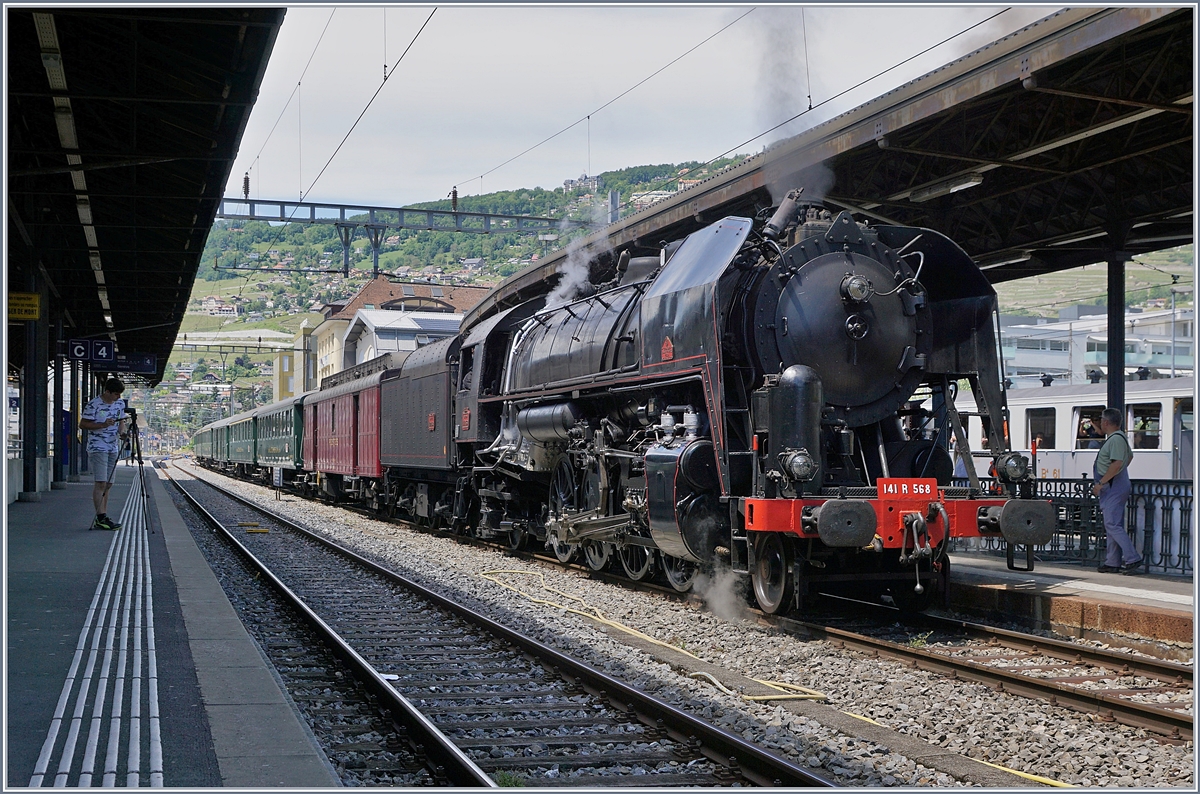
(1087, 427)
(1040, 422)
(1144, 425)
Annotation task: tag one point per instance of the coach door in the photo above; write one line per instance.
(1184, 426)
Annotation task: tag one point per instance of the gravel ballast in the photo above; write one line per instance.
(960, 717)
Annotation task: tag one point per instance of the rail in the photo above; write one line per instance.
(1158, 515)
(743, 758)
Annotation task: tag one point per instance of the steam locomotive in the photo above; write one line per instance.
(771, 395)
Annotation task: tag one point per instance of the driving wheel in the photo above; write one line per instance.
(637, 561)
(680, 573)
(562, 499)
(597, 554)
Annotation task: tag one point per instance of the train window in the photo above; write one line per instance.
(1087, 427)
(466, 365)
(1144, 425)
(1040, 424)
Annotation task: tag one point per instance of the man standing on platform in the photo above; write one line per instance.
(103, 418)
(1111, 471)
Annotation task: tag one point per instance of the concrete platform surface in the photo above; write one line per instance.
(1076, 599)
(126, 663)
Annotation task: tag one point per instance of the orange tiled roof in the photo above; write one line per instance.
(380, 291)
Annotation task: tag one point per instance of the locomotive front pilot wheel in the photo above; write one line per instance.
(637, 561)
(680, 573)
(772, 573)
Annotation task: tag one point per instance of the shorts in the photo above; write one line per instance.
(103, 464)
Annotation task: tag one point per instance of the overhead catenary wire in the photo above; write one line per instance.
(838, 95)
(294, 90)
(367, 107)
(588, 117)
(807, 74)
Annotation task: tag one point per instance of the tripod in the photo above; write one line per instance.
(133, 443)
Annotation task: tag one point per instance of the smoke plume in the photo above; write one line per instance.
(575, 270)
(783, 88)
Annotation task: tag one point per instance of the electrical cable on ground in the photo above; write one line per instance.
(591, 612)
(796, 693)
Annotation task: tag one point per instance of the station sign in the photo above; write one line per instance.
(24, 306)
(137, 363)
(103, 351)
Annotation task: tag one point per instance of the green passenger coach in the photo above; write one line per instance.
(280, 426)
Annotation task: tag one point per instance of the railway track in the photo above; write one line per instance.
(1135, 690)
(484, 702)
(1141, 691)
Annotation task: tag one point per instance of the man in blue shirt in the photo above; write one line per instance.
(103, 418)
(1111, 471)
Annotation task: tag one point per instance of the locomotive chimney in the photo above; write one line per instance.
(789, 208)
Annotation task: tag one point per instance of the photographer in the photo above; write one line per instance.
(104, 418)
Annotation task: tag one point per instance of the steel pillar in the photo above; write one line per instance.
(376, 234)
(1116, 332)
(58, 477)
(72, 430)
(85, 396)
(33, 382)
(345, 234)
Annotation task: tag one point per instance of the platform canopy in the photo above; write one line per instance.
(1065, 143)
(123, 125)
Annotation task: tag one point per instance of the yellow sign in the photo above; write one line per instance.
(24, 306)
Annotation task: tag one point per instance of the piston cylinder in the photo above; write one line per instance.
(548, 423)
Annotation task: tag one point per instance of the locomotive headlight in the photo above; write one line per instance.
(856, 288)
(798, 465)
(1012, 467)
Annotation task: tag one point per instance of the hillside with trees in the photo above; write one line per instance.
(234, 245)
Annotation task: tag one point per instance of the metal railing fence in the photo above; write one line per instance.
(1158, 515)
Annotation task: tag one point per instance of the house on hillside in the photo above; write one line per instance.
(373, 332)
(215, 307)
(385, 295)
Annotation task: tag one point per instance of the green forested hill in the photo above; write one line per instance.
(231, 243)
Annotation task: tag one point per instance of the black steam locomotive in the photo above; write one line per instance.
(774, 396)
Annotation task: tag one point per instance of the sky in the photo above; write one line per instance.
(481, 84)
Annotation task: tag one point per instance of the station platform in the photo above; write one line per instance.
(1076, 600)
(126, 662)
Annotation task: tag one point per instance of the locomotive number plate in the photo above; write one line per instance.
(907, 487)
